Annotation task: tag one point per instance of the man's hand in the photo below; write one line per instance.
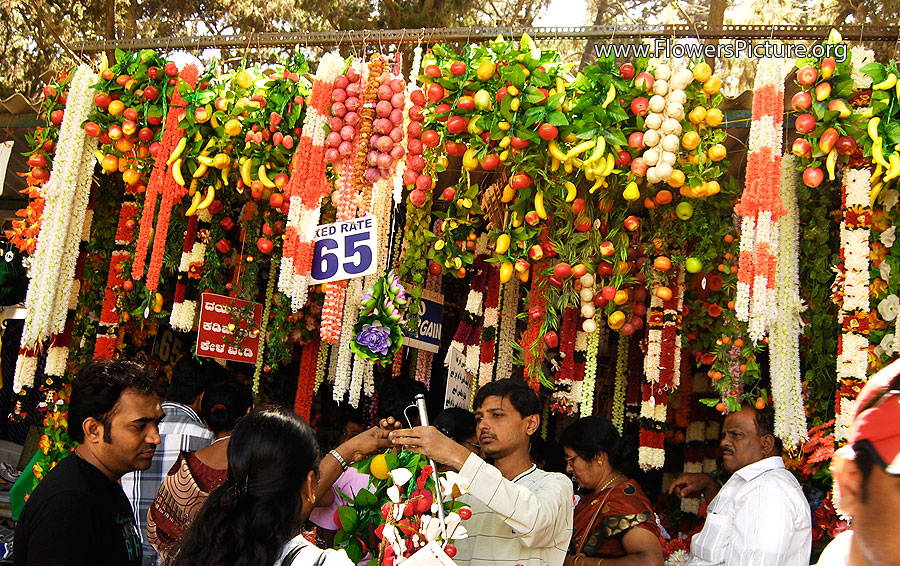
(687, 484)
(373, 440)
(429, 441)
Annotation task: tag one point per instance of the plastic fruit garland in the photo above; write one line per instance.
(131, 101)
(344, 119)
(663, 122)
(830, 132)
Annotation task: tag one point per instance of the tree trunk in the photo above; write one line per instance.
(716, 18)
(130, 29)
(589, 52)
(111, 29)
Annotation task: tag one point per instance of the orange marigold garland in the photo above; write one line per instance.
(307, 379)
(162, 183)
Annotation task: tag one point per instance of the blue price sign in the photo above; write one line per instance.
(431, 315)
(344, 250)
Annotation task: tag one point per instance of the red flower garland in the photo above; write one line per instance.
(107, 337)
(307, 379)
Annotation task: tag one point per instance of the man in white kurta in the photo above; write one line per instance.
(760, 517)
(520, 514)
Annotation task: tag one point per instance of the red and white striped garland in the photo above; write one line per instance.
(307, 186)
(760, 206)
(662, 368)
(108, 336)
(851, 291)
(66, 197)
(563, 400)
(490, 326)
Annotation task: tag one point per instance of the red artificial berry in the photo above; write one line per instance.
(465, 513)
(450, 550)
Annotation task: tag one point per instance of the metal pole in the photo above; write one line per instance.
(423, 420)
(482, 33)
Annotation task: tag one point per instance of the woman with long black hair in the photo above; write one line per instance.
(254, 518)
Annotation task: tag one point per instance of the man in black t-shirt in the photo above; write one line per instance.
(78, 515)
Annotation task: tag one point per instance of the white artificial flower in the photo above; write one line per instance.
(430, 527)
(885, 271)
(888, 236)
(400, 476)
(393, 494)
(891, 196)
(859, 58)
(887, 308)
(453, 485)
(887, 345)
(455, 530)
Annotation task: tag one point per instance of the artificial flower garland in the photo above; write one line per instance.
(851, 291)
(163, 184)
(507, 329)
(264, 325)
(66, 199)
(589, 383)
(662, 367)
(563, 401)
(107, 336)
(193, 255)
(307, 186)
(490, 326)
(784, 339)
(306, 381)
(760, 206)
(618, 408)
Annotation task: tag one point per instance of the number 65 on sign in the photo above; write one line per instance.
(344, 250)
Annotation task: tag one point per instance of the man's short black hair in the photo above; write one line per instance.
(517, 391)
(191, 376)
(99, 386)
(765, 424)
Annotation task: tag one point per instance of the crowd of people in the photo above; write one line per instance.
(204, 478)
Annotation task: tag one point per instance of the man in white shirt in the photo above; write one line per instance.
(867, 472)
(520, 514)
(760, 517)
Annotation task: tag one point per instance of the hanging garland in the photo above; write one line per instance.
(162, 184)
(66, 198)
(760, 206)
(490, 327)
(563, 400)
(618, 409)
(107, 337)
(306, 382)
(307, 186)
(507, 338)
(784, 342)
(851, 294)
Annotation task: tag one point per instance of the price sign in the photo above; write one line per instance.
(216, 329)
(344, 250)
(431, 315)
(459, 382)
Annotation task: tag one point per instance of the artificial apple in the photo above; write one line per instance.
(532, 218)
(631, 223)
(640, 106)
(535, 252)
(607, 249)
(807, 76)
(802, 101)
(482, 99)
(845, 145)
(579, 205)
(684, 210)
(626, 71)
(805, 123)
(644, 81)
(813, 177)
(693, 265)
(801, 148)
(579, 271)
(562, 270)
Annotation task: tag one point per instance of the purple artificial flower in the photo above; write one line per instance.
(375, 337)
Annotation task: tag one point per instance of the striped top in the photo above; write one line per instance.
(526, 520)
(759, 518)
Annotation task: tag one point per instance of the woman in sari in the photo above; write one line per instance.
(614, 523)
(196, 474)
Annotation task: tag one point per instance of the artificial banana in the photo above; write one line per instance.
(176, 153)
(195, 202)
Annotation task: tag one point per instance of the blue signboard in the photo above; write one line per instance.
(431, 316)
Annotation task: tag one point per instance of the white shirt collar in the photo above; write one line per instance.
(752, 471)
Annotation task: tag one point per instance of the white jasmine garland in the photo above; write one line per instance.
(618, 409)
(784, 339)
(589, 382)
(510, 302)
(66, 197)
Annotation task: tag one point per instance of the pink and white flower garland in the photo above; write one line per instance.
(307, 186)
(66, 197)
(490, 327)
(851, 290)
(425, 359)
(760, 206)
(784, 339)
(563, 400)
